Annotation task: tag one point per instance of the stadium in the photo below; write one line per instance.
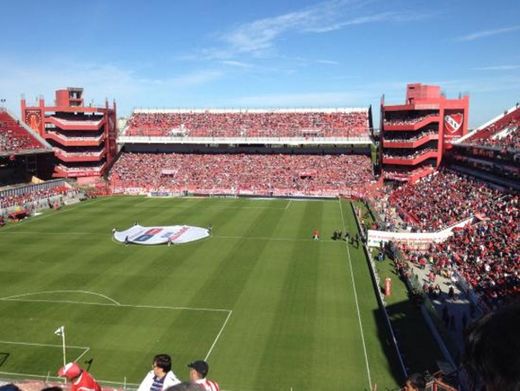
(330, 245)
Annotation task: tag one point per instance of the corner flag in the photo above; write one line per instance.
(60, 332)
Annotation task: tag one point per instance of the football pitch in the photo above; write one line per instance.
(268, 307)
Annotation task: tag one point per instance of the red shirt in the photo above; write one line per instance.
(209, 385)
(85, 382)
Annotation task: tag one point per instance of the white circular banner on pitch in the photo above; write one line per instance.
(160, 235)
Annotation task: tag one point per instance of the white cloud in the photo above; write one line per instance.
(259, 37)
(311, 99)
(327, 62)
(498, 68)
(238, 64)
(487, 33)
(99, 80)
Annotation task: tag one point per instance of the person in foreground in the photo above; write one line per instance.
(81, 380)
(492, 346)
(186, 386)
(415, 382)
(198, 372)
(161, 376)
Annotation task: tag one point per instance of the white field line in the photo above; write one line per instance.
(288, 205)
(114, 303)
(273, 238)
(84, 348)
(213, 236)
(356, 300)
(62, 291)
(154, 307)
(218, 336)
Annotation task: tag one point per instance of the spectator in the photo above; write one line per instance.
(258, 174)
(492, 347)
(198, 372)
(415, 382)
(278, 123)
(186, 386)
(81, 380)
(161, 376)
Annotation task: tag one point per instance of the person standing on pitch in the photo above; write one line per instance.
(161, 376)
(198, 372)
(81, 380)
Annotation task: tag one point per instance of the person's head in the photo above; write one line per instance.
(491, 349)
(186, 386)
(415, 382)
(71, 371)
(162, 364)
(198, 369)
(10, 387)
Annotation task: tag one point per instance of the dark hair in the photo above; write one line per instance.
(417, 381)
(10, 387)
(492, 346)
(54, 388)
(186, 386)
(163, 361)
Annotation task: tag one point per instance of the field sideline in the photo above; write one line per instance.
(268, 307)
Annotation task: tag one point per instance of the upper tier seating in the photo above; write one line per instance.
(250, 124)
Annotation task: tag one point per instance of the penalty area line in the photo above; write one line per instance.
(218, 335)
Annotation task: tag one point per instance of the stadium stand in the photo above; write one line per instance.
(16, 138)
(443, 199)
(255, 174)
(485, 254)
(503, 132)
(410, 119)
(405, 154)
(32, 197)
(221, 123)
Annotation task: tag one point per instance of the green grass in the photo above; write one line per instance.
(273, 309)
(415, 340)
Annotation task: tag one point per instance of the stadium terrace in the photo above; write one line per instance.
(325, 236)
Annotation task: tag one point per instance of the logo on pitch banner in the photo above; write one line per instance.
(453, 122)
(148, 235)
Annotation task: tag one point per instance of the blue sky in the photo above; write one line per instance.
(274, 53)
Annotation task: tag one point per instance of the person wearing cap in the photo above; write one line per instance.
(81, 380)
(198, 372)
(161, 376)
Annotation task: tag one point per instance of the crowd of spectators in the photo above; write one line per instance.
(14, 138)
(32, 199)
(72, 135)
(504, 132)
(78, 153)
(250, 124)
(407, 136)
(82, 168)
(443, 199)
(511, 140)
(486, 254)
(405, 172)
(252, 173)
(407, 155)
(407, 118)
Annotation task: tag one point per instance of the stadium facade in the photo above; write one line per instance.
(83, 137)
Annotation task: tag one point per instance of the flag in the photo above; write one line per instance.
(60, 331)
